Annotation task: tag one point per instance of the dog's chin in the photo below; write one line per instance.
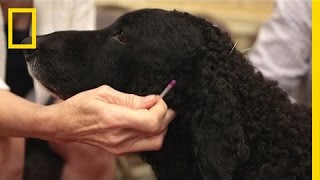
(50, 88)
(54, 91)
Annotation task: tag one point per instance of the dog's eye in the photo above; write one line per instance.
(122, 37)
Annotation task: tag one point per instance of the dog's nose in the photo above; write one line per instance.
(27, 40)
(27, 52)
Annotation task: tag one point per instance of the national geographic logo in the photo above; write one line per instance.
(33, 12)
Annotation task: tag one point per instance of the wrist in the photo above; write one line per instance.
(47, 123)
(52, 123)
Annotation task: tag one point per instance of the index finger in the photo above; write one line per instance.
(129, 100)
(142, 119)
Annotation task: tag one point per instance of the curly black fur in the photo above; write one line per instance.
(231, 122)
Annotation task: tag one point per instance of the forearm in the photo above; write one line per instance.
(101, 117)
(21, 118)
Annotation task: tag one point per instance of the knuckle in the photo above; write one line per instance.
(103, 89)
(155, 125)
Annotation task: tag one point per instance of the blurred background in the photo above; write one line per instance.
(241, 18)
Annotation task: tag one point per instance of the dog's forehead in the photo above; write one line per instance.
(154, 22)
(144, 16)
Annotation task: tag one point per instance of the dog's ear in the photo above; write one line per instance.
(219, 139)
(220, 151)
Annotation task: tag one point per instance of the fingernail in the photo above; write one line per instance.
(148, 98)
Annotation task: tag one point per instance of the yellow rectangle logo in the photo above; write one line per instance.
(33, 44)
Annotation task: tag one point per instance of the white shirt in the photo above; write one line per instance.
(53, 15)
(282, 50)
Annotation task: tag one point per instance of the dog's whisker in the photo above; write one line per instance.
(233, 47)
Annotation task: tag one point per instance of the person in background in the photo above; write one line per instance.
(282, 51)
(21, 118)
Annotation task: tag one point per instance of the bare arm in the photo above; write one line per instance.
(102, 117)
(19, 117)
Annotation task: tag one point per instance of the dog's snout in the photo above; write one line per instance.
(28, 52)
(27, 40)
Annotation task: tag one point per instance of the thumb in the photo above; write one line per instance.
(138, 102)
(129, 100)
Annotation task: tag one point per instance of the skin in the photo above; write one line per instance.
(11, 157)
(103, 117)
(102, 163)
(74, 167)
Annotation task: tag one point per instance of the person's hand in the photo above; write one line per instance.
(106, 118)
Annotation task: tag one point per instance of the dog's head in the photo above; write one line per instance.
(139, 53)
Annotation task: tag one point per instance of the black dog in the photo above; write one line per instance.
(231, 122)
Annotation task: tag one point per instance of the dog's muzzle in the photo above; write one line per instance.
(28, 53)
